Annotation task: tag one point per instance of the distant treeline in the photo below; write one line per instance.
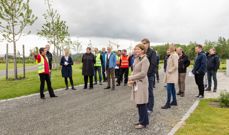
(221, 46)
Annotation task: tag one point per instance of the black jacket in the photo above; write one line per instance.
(184, 62)
(88, 61)
(200, 66)
(49, 56)
(213, 62)
(66, 70)
(152, 57)
(165, 62)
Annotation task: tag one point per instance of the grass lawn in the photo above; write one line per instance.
(207, 120)
(11, 65)
(30, 85)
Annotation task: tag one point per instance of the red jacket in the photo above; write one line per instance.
(38, 58)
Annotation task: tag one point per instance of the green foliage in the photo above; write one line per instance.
(54, 29)
(224, 99)
(15, 15)
(221, 46)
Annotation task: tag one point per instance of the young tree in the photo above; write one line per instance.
(15, 16)
(54, 29)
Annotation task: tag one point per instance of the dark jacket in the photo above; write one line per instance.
(184, 62)
(152, 57)
(49, 56)
(213, 62)
(165, 62)
(200, 66)
(66, 70)
(88, 61)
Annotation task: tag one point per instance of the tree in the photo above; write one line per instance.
(15, 16)
(54, 29)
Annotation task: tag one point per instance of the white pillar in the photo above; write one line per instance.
(227, 67)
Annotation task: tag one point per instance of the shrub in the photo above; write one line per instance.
(224, 99)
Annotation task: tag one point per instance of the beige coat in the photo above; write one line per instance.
(139, 93)
(171, 75)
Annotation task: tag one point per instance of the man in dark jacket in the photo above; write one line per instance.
(183, 63)
(49, 56)
(212, 67)
(199, 69)
(151, 55)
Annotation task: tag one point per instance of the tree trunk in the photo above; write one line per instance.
(7, 62)
(23, 49)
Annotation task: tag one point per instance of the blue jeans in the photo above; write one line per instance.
(171, 91)
(143, 115)
(150, 104)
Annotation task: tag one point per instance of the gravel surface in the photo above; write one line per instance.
(90, 112)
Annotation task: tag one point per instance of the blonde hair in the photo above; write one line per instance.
(172, 48)
(142, 47)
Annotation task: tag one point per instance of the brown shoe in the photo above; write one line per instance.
(140, 126)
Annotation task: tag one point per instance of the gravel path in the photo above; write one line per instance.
(90, 112)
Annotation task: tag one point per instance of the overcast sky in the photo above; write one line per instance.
(128, 21)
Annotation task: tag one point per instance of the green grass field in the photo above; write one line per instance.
(207, 119)
(30, 85)
(11, 65)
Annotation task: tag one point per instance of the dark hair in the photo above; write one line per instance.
(145, 40)
(199, 46)
(41, 50)
(119, 50)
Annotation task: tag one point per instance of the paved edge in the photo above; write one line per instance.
(184, 118)
(31, 95)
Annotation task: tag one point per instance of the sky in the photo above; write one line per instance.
(126, 22)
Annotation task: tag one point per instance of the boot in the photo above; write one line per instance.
(173, 103)
(166, 106)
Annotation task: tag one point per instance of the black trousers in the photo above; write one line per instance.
(212, 74)
(98, 69)
(125, 72)
(199, 78)
(143, 115)
(43, 78)
(66, 81)
(86, 81)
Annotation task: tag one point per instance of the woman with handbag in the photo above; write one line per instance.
(139, 83)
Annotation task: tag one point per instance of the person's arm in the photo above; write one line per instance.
(62, 61)
(217, 61)
(101, 58)
(82, 58)
(37, 58)
(186, 62)
(175, 64)
(50, 61)
(143, 73)
(70, 61)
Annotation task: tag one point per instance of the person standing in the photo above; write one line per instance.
(199, 69)
(88, 61)
(139, 83)
(184, 62)
(157, 70)
(151, 55)
(97, 66)
(123, 68)
(66, 63)
(44, 72)
(117, 68)
(213, 64)
(110, 68)
(49, 56)
(104, 53)
(171, 77)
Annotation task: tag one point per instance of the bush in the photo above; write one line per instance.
(224, 99)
